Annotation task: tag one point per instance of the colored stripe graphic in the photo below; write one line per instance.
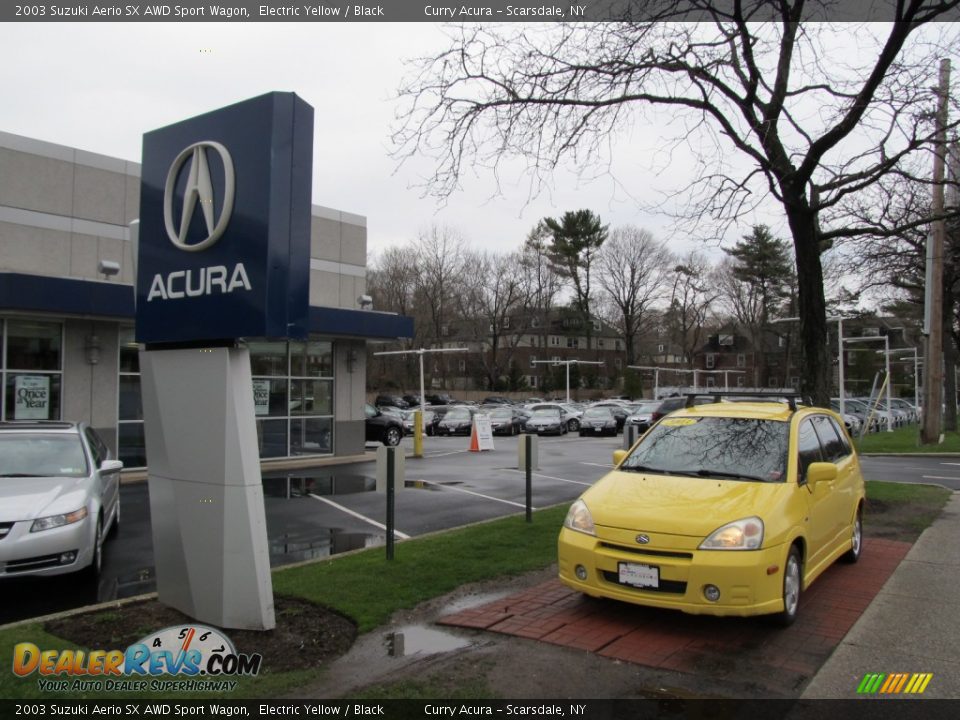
(894, 683)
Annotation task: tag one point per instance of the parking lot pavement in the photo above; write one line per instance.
(318, 512)
(748, 653)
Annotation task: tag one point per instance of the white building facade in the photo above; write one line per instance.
(67, 268)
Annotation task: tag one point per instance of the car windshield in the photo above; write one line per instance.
(546, 414)
(41, 455)
(736, 448)
(502, 413)
(645, 408)
(600, 413)
(458, 413)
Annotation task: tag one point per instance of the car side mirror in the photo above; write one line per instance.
(108, 467)
(821, 472)
(618, 456)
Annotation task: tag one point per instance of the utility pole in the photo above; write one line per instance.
(931, 427)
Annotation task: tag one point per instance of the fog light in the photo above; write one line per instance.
(68, 557)
(711, 592)
(581, 572)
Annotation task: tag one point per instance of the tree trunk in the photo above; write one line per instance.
(816, 363)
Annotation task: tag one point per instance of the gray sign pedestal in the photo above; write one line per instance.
(206, 495)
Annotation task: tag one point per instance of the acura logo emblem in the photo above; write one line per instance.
(643, 539)
(199, 188)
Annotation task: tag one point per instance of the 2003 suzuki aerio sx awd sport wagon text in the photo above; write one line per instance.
(730, 508)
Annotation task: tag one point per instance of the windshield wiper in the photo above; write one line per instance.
(11, 475)
(645, 468)
(704, 472)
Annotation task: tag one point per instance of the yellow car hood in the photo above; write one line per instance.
(678, 505)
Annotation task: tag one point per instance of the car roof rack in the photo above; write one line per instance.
(792, 398)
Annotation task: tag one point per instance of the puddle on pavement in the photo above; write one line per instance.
(429, 484)
(294, 487)
(288, 548)
(413, 639)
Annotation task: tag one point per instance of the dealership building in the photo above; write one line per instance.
(67, 271)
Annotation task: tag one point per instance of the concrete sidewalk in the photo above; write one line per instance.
(912, 626)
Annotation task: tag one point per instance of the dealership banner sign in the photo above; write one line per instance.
(224, 244)
(31, 397)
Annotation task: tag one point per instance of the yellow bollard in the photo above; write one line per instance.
(418, 434)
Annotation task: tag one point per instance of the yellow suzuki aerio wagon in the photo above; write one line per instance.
(727, 508)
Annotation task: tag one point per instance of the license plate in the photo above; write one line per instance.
(597, 429)
(639, 575)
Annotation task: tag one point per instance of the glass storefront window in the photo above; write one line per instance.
(32, 381)
(311, 397)
(270, 397)
(131, 404)
(310, 436)
(32, 396)
(268, 358)
(33, 345)
(272, 438)
(132, 448)
(129, 352)
(311, 359)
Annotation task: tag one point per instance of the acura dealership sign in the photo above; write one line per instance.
(225, 224)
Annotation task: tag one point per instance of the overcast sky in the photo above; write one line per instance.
(99, 87)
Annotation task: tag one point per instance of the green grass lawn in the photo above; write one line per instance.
(363, 586)
(906, 440)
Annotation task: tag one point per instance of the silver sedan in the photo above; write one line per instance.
(59, 498)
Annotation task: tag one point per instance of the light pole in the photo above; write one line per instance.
(916, 370)
(418, 430)
(840, 379)
(568, 363)
(886, 353)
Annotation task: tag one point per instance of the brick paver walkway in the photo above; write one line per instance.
(747, 650)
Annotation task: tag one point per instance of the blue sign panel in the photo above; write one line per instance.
(225, 224)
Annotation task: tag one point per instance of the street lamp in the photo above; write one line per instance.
(418, 446)
(568, 363)
(916, 370)
(886, 352)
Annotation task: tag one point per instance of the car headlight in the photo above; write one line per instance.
(579, 518)
(746, 534)
(54, 521)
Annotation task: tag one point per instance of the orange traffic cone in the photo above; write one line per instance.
(474, 439)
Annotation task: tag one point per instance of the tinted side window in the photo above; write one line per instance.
(834, 448)
(808, 448)
(97, 447)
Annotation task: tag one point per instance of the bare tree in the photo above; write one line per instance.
(691, 303)
(392, 283)
(542, 284)
(491, 305)
(440, 258)
(633, 267)
(779, 108)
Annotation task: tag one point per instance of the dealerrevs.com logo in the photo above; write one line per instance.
(201, 658)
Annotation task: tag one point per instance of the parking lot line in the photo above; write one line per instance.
(603, 465)
(549, 477)
(348, 511)
(471, 492)
(939, 477)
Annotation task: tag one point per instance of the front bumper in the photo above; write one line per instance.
(23, 553)
(741, 576)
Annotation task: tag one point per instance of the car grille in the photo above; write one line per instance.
(5, 529)
(35, 563)
(669, 587)
(645, 551)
